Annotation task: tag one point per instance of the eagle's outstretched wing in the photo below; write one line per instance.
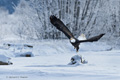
(61, 26)
(95, 38)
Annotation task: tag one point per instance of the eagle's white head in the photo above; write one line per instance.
(72, 40)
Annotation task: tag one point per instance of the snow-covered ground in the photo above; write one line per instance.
(51, 58)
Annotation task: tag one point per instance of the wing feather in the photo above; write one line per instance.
(61, 26)
(95, 38)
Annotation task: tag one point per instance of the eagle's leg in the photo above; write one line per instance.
(77, 48)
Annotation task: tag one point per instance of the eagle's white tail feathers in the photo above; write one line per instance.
(82, 37)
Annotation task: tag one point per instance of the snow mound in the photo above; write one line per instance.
(4, 60)
(24, 54)
(77, 60)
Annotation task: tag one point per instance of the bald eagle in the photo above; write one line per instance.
(74, 41)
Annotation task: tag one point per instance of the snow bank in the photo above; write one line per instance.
(4, 60)
(24, 54)
(64, 46)
(52, 47)
(95, 46)
(49, 47)
(77, 60)
(6, 52)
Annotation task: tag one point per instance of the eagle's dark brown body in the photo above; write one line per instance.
(60, 26)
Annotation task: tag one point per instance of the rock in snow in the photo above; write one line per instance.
(24, 54)
(5, 60)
